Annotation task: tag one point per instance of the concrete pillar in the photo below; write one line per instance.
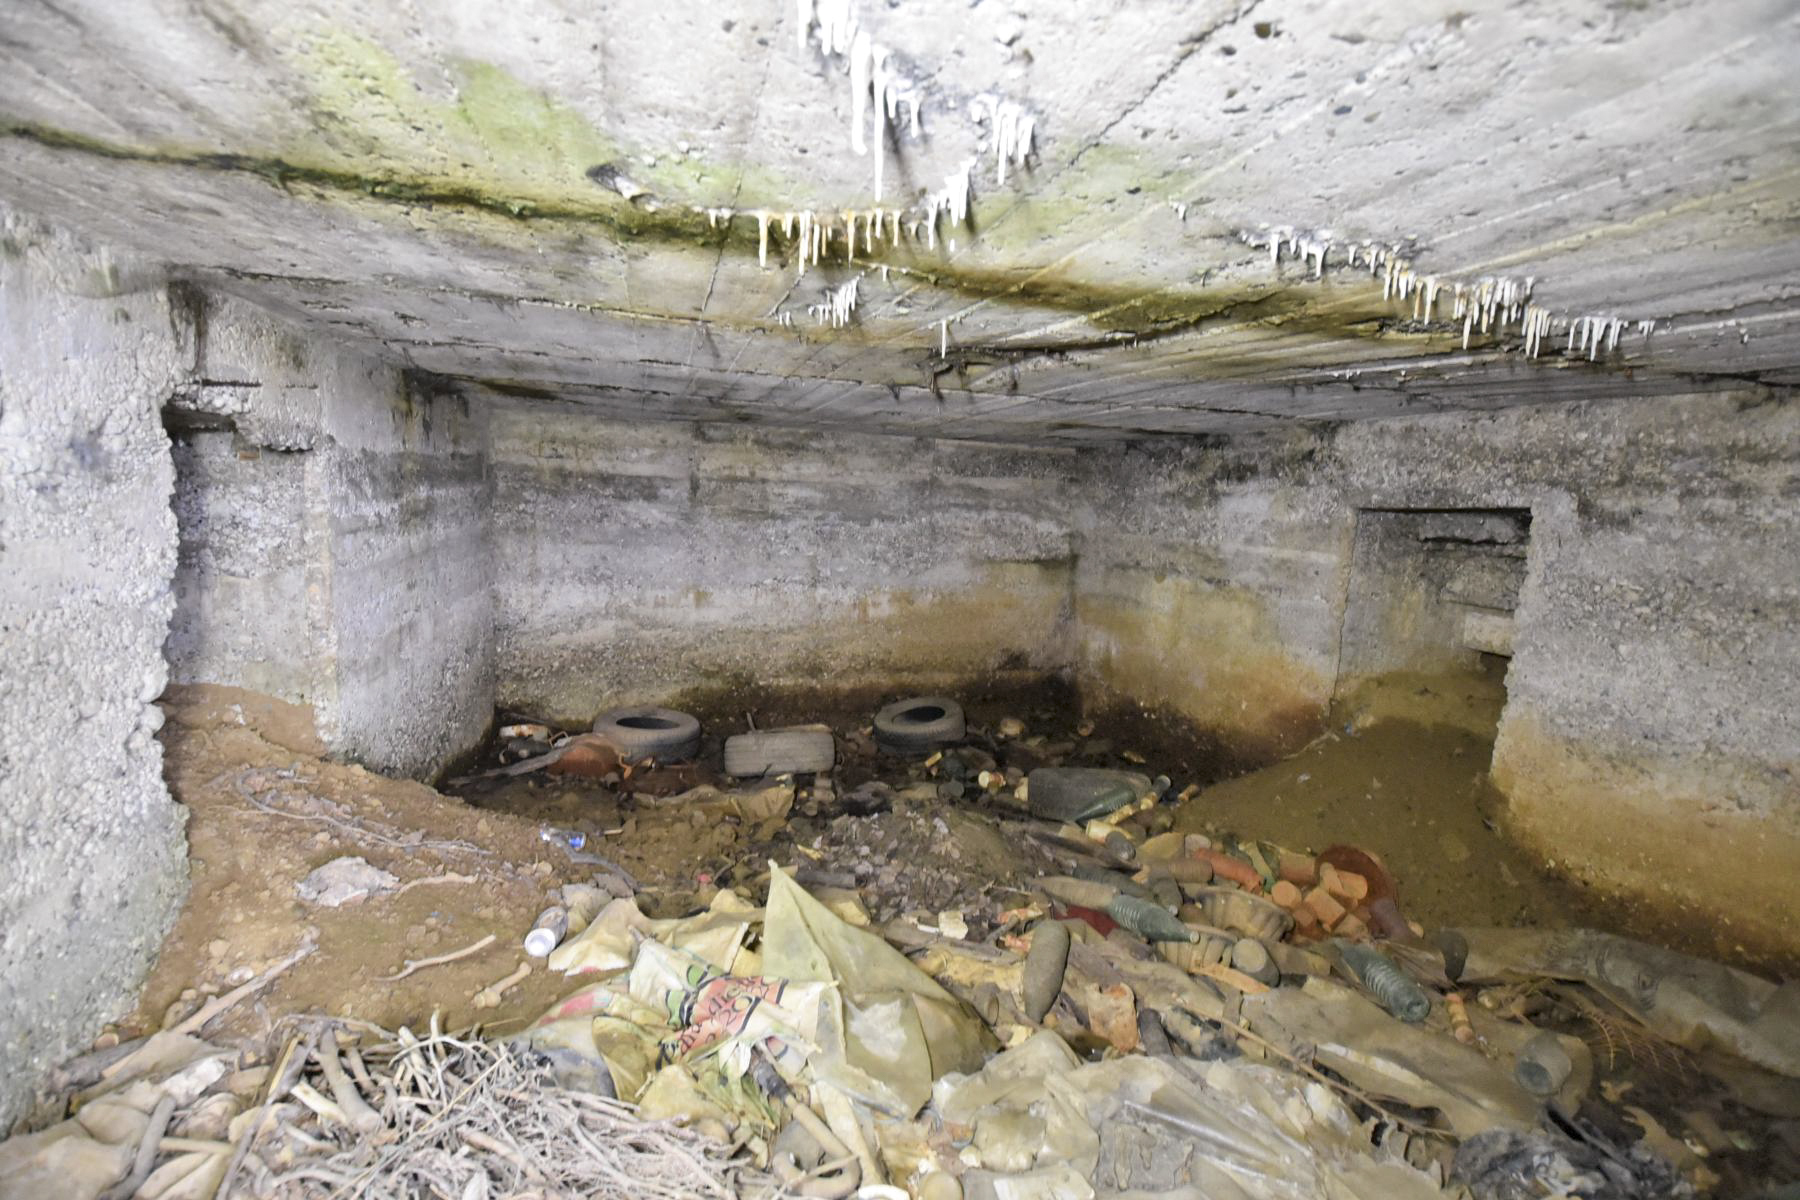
(92, 857)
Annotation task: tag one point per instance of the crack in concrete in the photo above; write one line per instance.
(1189, 45)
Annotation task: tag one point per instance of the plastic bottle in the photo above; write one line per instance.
(1079, 794)
(568, 839)
(1391, 987)
(547, 931)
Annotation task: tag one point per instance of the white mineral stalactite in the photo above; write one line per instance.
(876, 89)
(838, 305)
(1490, 303)
(951, 200)
(881, 82)
(862, 55)
(1012, 128)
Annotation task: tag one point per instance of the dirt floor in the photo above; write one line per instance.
(1401, 772)
(266, 808)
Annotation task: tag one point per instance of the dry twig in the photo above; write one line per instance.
(479, 1118)
(420, 964)
(491, 995)
(366, 831)
(447, 877)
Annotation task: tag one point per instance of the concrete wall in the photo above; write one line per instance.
(1416, 580)
(250, 570)
(92, 859)
(334, 540)
(635, 561)
(412, 571)
(1649, 742)
(1211, 583)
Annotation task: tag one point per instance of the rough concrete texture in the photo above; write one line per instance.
(1648, 743)
(92, 859)
(251, 570)
(412, 573)
(636, 561)
(565, 200)
(1416, 580)
(1211, 582)
(334, 540)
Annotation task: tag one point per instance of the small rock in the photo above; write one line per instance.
(344, 881)
(218, 947)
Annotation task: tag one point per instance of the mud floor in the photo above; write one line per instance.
(1402, 771)
(265, 807)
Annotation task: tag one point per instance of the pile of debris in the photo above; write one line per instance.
(1055, 997)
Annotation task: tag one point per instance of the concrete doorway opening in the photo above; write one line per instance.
(1431, 595)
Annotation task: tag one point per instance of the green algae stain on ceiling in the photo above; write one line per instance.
(494, 133)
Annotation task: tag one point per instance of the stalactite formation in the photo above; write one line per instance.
(878, 92)
(1011, 129)
(1488, 304)
(877, 87)
(838, 305)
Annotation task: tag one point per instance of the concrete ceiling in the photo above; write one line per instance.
(513, 196)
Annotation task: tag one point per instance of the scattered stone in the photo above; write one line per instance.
(344, 881)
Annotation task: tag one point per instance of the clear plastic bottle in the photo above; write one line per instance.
(1391, 987)
(568, 839)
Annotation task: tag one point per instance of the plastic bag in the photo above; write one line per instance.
(609, 943)
(1419, 1065)
(889, 1029)
(1692, 1002)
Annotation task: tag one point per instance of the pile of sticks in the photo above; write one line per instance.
(400, 1115)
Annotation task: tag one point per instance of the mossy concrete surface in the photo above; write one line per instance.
(565, 201)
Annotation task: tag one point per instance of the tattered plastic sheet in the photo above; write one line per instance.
(678, 1027)
(1155, 1127)
(1690, 1001)
(609, 943)
(1418, 1065)
(82, 1157)
(891, 1029)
